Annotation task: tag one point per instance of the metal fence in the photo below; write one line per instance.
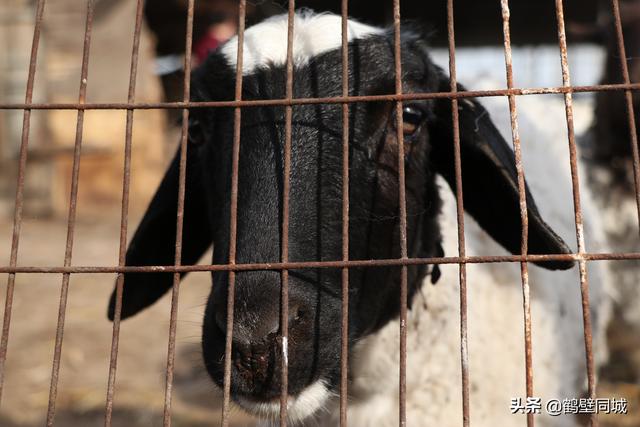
(511, 92)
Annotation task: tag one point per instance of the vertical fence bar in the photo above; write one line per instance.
(573, 156)
(524, 218)
(73, 199)
(402, 415)
(284, 308)
(615, 4)
(344, 349)
(22, 165)
(464, 348)
(233, 226)
(124, 216)
(171, 348)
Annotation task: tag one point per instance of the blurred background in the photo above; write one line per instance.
(604, 143)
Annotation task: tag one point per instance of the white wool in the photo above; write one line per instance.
(265, 44)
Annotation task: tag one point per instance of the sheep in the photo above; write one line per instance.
(490, 197)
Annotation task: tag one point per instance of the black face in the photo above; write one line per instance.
(315, 213)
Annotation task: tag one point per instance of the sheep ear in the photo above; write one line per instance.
(489, 178)
(154, 241)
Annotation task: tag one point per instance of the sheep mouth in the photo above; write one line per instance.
(311, 400)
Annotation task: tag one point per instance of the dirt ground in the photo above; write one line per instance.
(87, 339)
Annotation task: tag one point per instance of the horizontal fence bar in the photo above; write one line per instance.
(552, 90)
(628, 256)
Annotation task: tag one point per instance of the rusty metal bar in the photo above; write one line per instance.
(173, 320)
(584, 284)
(344, 348)
(629, 100)
(73, 199)
(606, 256)
(233, 226)
(124, 217)
(553, 90)
(464, 348)
(22, 165)
(524, 218)
(284, 303)
(402, 201)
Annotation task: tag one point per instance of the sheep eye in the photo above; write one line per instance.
(299, 315)
(411, 119)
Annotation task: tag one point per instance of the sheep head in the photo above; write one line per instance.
(315, 211)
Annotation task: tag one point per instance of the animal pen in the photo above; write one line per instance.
(185, 106)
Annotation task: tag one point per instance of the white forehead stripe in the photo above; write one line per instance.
(265, 44)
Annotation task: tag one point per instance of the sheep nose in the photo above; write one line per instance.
(252, 361)
(255, 344)
(260, 327)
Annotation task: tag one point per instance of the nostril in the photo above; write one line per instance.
(251, 362)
